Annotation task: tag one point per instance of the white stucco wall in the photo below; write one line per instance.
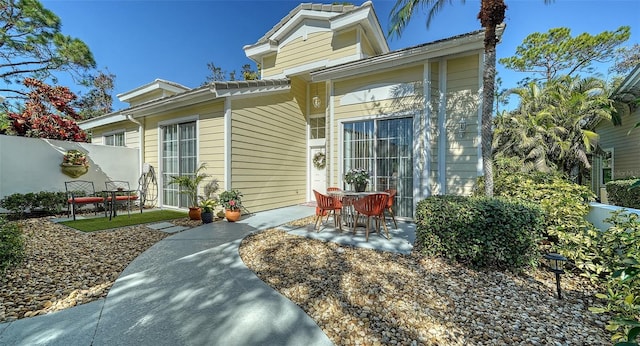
(33, 164)
(598, 212)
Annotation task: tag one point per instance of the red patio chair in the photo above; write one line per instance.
(333, 188)
(327, 204)
(392, 195)
(371, 205)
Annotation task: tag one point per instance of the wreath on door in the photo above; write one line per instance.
(319, 160)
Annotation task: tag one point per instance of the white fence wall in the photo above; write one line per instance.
(33, 164)
(598, 212)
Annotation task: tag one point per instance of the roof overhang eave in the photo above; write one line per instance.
(107, 119)
(632, 82)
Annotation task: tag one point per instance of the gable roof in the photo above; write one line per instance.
(338, 17)
(157, 84)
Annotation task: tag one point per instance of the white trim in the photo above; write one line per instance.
(309, 26)
(237, 93)
(308, 136)
(330, 136)
(113, 133)
(164, 85)
(260, 49)
(314, 65)
(426, 114)
(186, 119)
(298, 18)
(106, 119)
(480, 168)
(442, 131)
(227, 144)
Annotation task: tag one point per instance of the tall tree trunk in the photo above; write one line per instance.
(491, 15)
(488, 81)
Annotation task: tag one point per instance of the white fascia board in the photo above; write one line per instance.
(632, 81)
(172, 102)
(157, 84)
(255, 51)
(400, 58)
(365, 17)
(101, 121)
(299, 18)
(252, 91)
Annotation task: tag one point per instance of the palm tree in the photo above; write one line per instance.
(492, 13)
(551, 129)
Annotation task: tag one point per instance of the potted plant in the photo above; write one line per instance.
(209, 201)
(231, 201)
(358, 178)
(74, 163)
(189, 186)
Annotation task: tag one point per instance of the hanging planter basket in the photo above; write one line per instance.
(74, 171)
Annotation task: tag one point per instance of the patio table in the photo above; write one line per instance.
(111, 196)
(347, 198)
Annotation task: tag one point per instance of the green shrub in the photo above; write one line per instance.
(479, 231)
(11, 245)
(618, 193)
(613, 260)
(565, 204)
(45, 202)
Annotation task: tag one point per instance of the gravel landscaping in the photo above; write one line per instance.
(357, 296)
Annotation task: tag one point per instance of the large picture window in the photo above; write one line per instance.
(178, 158)
(384, 148)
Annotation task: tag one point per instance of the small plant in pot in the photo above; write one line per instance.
(209, 201)
(189, 186)
(231, 201)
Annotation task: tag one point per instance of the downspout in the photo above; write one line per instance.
(140, 142)
(227, 143)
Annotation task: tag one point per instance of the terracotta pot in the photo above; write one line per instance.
(194, 213)
(232, 215)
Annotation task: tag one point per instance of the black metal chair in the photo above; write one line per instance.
(79, 193)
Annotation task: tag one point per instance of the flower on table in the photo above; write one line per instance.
(357, 176)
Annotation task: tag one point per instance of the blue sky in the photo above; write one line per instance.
(140, 41)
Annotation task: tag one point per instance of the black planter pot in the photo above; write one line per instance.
(360, 187)
(207, 216)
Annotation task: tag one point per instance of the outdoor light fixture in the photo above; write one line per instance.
(462, 127)
(555, 263)
(316, 100)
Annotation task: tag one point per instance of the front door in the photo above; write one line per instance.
(318, 171)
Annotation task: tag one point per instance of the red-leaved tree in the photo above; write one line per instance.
(37, 118)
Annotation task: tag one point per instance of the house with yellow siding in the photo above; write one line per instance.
(329, 88)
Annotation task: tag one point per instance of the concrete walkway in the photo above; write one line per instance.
(191, 288)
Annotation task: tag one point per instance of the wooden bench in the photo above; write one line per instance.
(79, 193)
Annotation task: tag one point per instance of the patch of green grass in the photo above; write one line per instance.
(123, 220)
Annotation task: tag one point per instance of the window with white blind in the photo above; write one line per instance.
(114, 139)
